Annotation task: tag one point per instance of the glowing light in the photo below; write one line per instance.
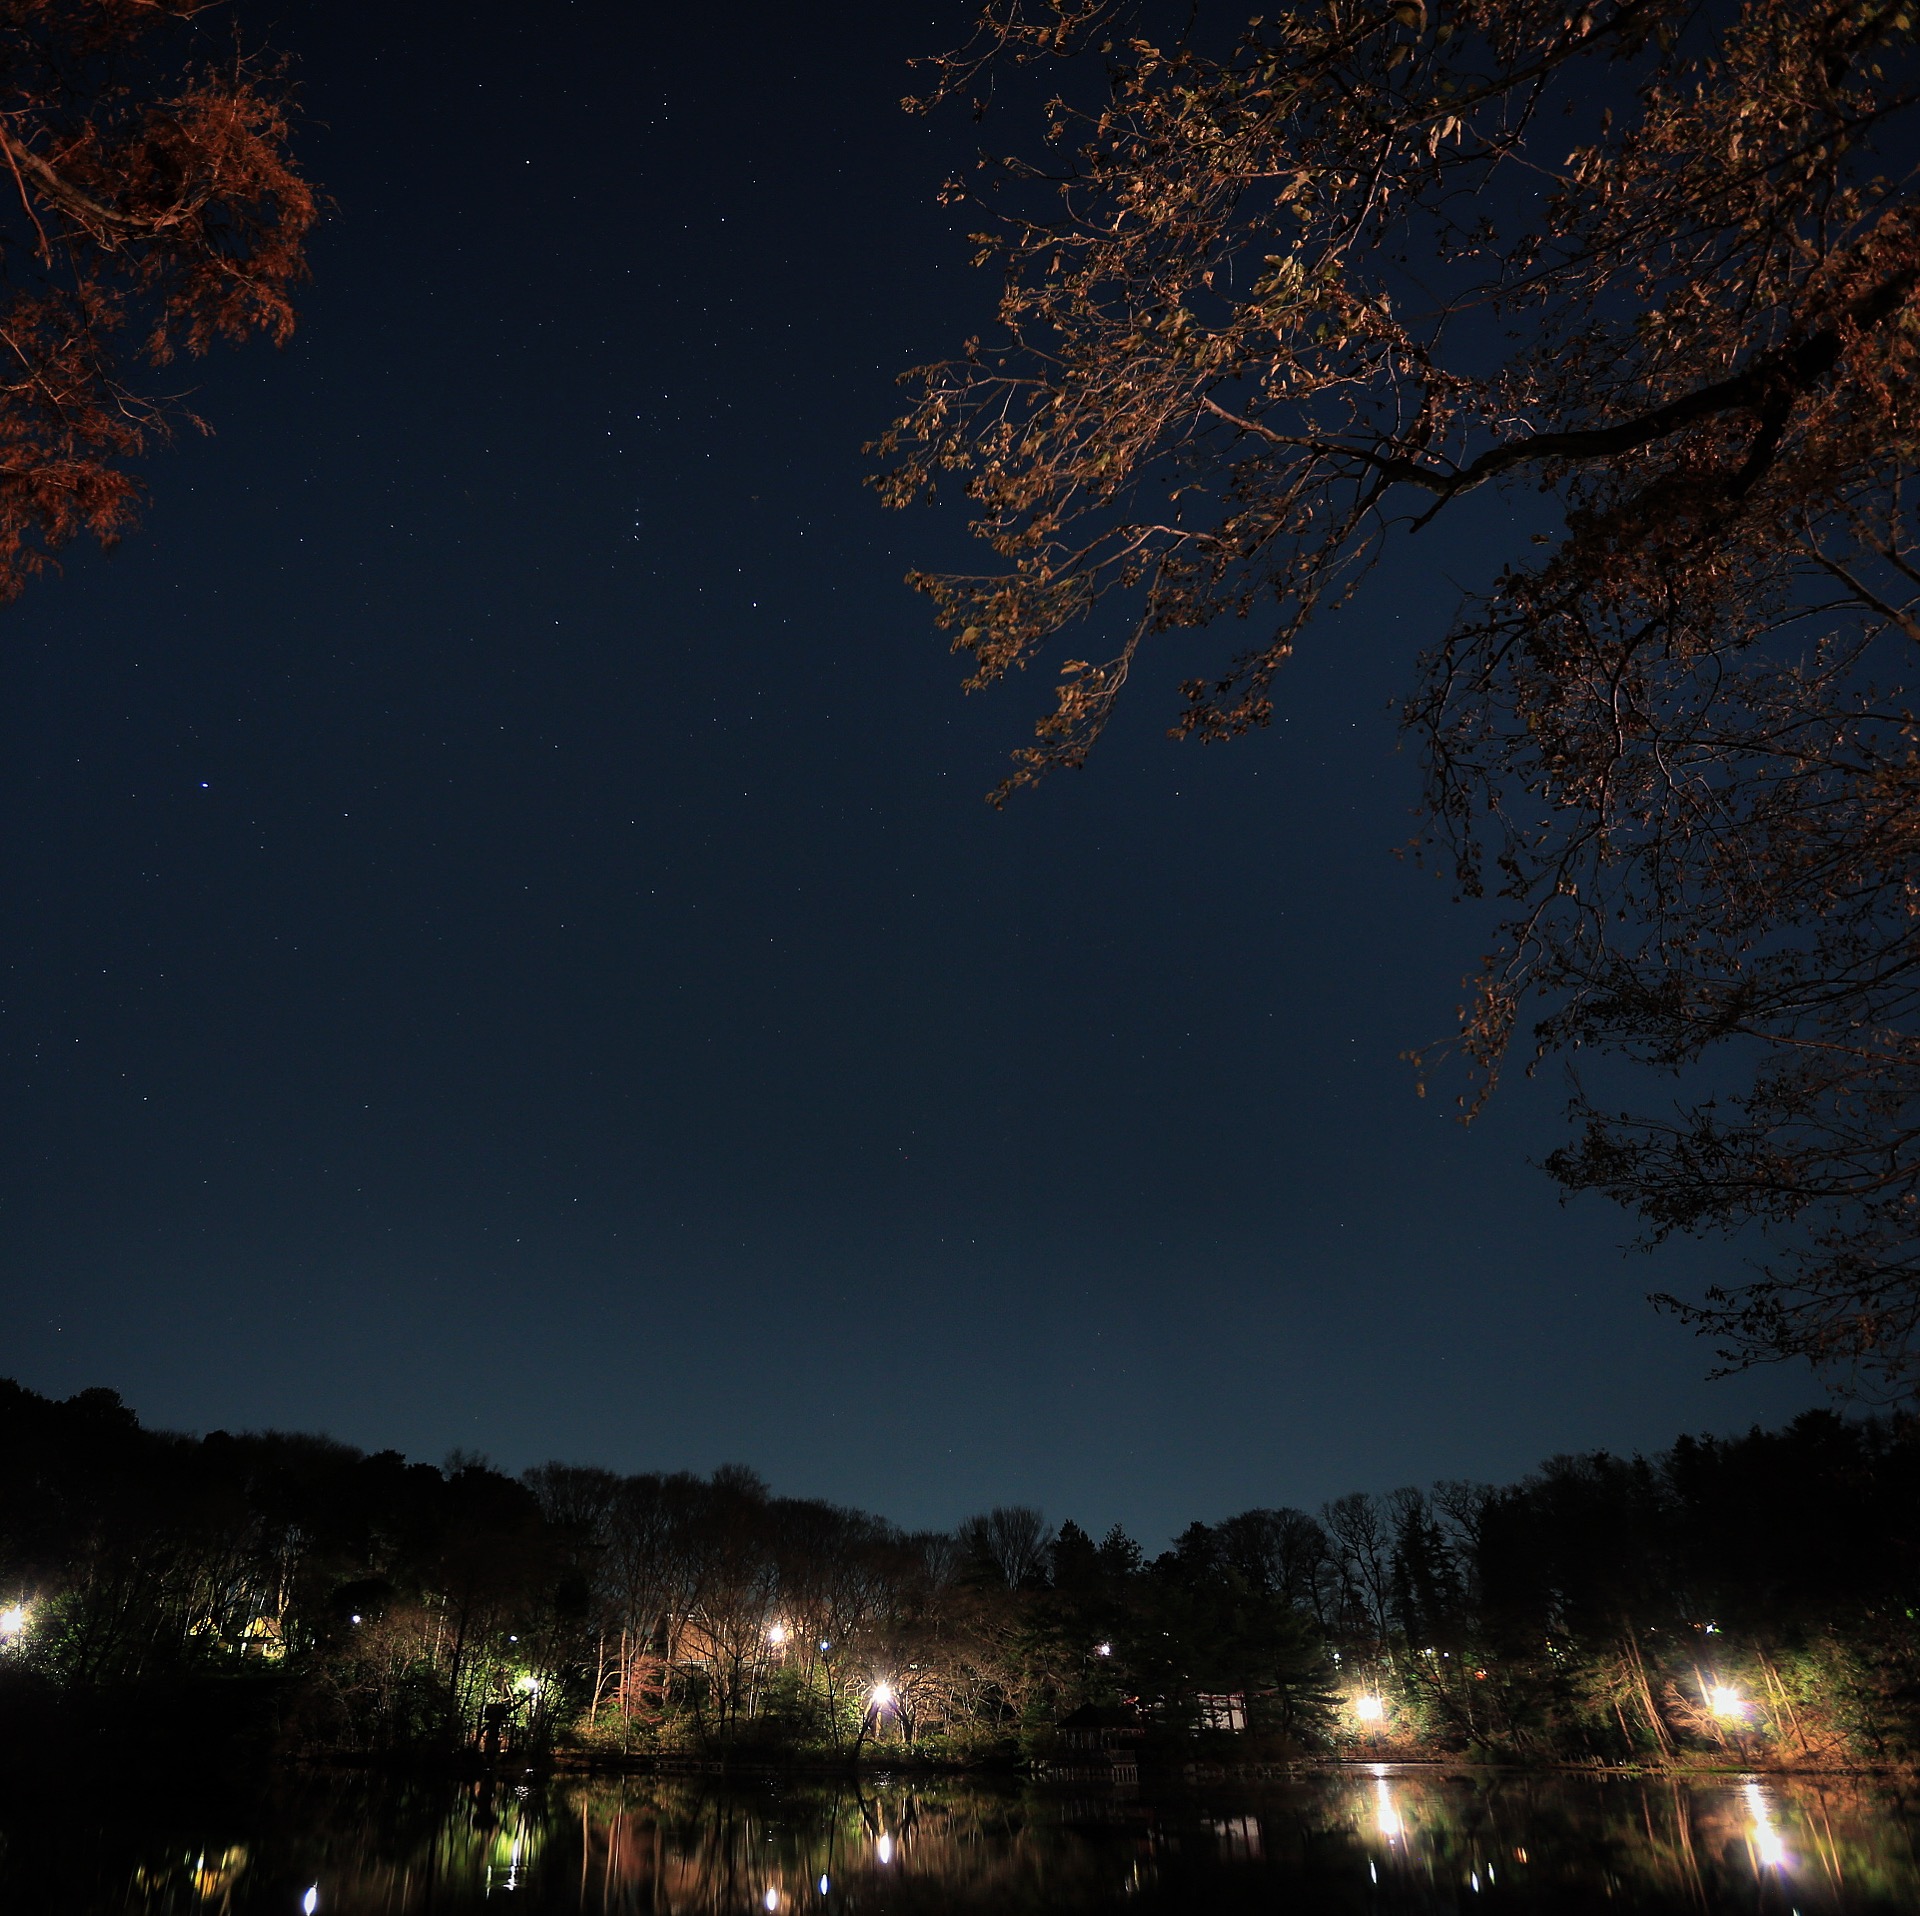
(882, 1695)
(1727, 1703)
(1769, 1846)
(884, 1849)
(1386, 1818)
(771, 1900)
(1369, 1709)
(824, 1886)
(528, 1685)
(311, 1900)
(1103, 1649)
(777, 1634)
(13, 1620)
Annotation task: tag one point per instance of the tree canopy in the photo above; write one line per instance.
(1273, 301)
(152, 209)
(298, 1591)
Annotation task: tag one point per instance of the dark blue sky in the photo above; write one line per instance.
(503, 943)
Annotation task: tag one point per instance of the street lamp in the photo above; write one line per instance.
(1369, 1709)
(13, 1622)
(1727, 1703)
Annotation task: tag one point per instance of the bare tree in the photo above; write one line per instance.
(1013, 1540)
(1273, 303)
(1361, 1529)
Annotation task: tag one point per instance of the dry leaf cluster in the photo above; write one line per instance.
(1272, 304)
(151, 209)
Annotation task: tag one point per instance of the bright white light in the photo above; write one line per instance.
(1103, 1649)
(13, 1620)
(528, 1684)
(884, 1849)
(311, 1900)
(1386, 1818)
(882, 1695)
(1725, 1701)
(1769, 1846)
(824, 1886)
(1369, 1709)
(356, 1619)
(771, 1900)
(777, 1635)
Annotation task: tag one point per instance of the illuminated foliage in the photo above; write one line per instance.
(152, 209)
(1271, 305)
(1747, 1598)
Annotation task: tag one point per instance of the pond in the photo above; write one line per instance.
(1373, 1839)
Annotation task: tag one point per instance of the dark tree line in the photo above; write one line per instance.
(1752, 1598)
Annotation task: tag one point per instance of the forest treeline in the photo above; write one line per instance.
(1750, 1599)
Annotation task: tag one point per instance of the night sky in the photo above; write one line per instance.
(503, 943)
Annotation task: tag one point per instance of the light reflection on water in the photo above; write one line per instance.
(1378, 1839)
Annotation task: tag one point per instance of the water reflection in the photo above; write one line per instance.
(1376, 1840)
(1386, 1817)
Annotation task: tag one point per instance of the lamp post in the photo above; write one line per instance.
(880, 1699)
(1370, 1716)
(1731, 1711)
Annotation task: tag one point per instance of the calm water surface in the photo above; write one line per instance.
(1380, 1839)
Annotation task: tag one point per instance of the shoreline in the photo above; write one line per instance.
(1176, 1771)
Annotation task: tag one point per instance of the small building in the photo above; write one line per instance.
(1225, 1711)
(1098, 1745)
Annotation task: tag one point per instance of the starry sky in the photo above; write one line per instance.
(504, 948)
